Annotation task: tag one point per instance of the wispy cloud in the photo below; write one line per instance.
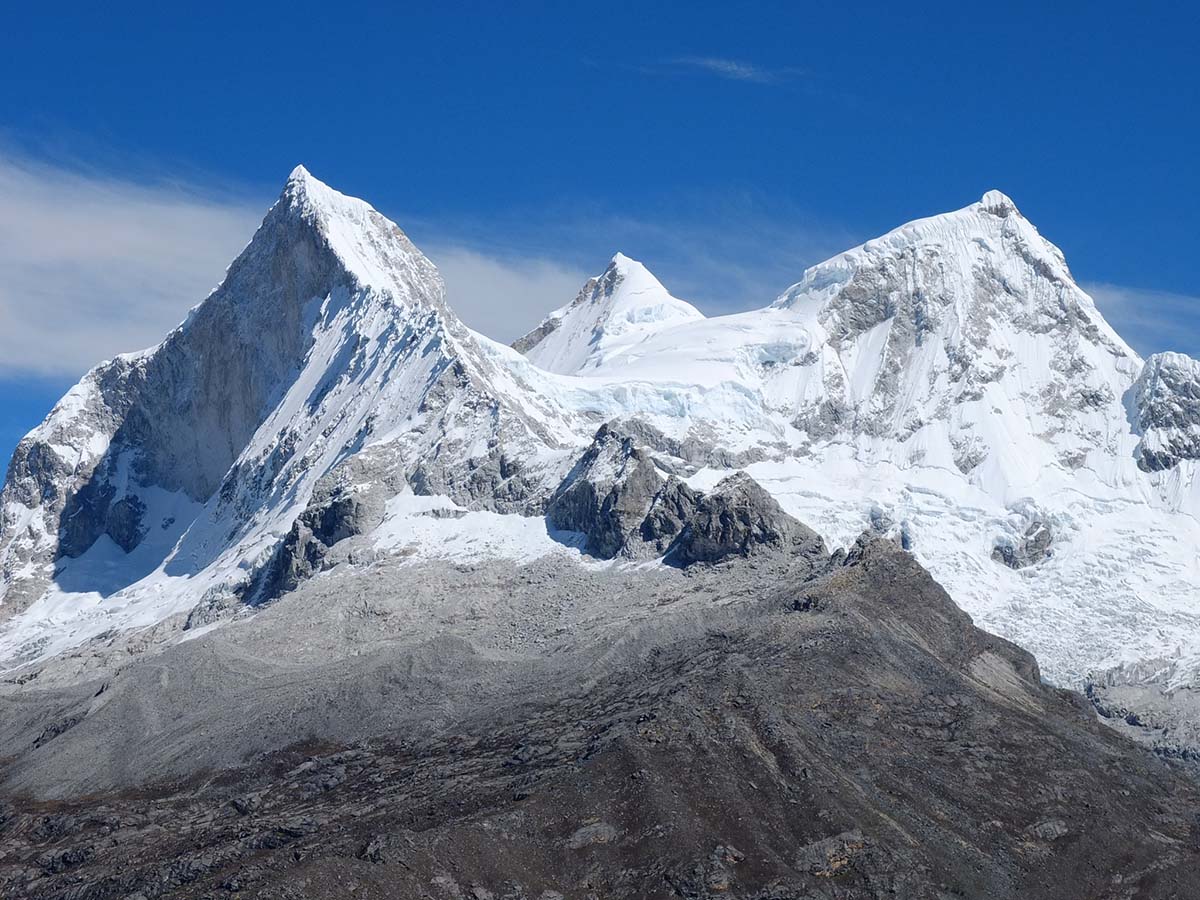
(93, 265)
(1148, 319)
(735, 70)
(503, 296)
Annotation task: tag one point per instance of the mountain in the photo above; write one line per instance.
(170, 475)
(947, 383)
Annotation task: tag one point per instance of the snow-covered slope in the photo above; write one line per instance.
(947, 383)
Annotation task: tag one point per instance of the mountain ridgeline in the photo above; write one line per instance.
(323, 484)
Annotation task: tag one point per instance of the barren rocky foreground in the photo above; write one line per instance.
(784, 725)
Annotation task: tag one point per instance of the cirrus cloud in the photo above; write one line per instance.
(1150, 320)
(95, 265)
(737, 70)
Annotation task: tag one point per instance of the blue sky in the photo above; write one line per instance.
(727, 146)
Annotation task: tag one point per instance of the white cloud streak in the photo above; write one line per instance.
(93, 266)
(503, 297)
(1148, 319)
(736, 70)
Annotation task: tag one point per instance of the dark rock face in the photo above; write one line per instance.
(1033, 547)
(670, 510)
(739, 518)
(617, 498)
(93, 511)
(333, 515)
(316, 530)
(867, 744)
(527, 342)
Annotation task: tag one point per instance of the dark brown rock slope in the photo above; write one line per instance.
(848, 735)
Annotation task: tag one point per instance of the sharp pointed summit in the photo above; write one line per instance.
(374, 252)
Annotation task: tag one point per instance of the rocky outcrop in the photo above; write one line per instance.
(616, 496)
(1149, 703)
(93, 511)
(1166, 404)
(347, 502)
(303, 551)
(1032, 547)
(739, 518)
(527, 342)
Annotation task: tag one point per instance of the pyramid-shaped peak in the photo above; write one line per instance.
(301, 182)
(624, 303)
(629, 274)
(303, 190)
(373, 250)
(299, 174)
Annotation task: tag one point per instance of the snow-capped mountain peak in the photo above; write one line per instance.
(329, 332)
(619, 308)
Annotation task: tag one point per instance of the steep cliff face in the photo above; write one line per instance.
(157, 431)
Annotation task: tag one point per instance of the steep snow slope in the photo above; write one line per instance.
(614, 312)
(947, 383)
